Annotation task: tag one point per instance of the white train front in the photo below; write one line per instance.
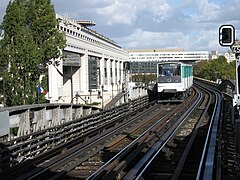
(174, 81)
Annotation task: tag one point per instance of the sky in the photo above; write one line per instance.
(192, 25)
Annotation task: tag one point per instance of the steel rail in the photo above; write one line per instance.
(130, 146)
(73, 154)
(206, 166)
(52, 152)
(40, 141)
(145, 162)
(111, 113)
(206, 103)
(102, 170)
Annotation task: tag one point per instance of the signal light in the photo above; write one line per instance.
(226, 35)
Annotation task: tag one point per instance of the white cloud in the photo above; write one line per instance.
(118, 12)
(127, 12)
(208, 11)
(160, 10)
(188, 24)
(145, 39)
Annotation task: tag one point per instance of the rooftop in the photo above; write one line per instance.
(156, 50)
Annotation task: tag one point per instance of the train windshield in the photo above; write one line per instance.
(171, 69)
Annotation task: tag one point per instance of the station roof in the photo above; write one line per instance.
(156, 50)
(85, 23)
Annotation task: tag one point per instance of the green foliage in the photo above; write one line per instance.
(30, 38)
(215, 69)
(14, 131)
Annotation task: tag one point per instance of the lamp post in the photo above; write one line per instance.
(112, 89)
(102, 95)
(90, 92)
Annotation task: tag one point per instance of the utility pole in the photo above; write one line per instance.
(102, 97)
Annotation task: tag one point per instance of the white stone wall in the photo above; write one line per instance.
(87, 45)
(55, 89)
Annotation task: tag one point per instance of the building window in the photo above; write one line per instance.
(92, 70)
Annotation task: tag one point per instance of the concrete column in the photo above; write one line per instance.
(55, 117)
(76, 81)
(84, 83)
(55, 82)
(24, 124)
(78, 112)
(118, 73)
(121, 70)
(113, 87)
(41, 120)
(108, 74)
(67, 91)
(137, 93)
(114, 72)
(68, 114)
(53, 90)
(102, 78)
(87, 112)
(4, 124)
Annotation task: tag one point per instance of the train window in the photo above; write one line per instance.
(169, 69)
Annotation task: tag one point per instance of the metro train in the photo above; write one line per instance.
(174, 81)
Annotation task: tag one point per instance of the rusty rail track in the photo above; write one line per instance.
(130, 160)
(86, 162)
(45, 161)
(190, 155)
(183, 141)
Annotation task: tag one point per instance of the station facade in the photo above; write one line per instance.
(91, 69)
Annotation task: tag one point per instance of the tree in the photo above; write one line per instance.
(197, 69)
(215, 69)
(42, 22)
(30, 38)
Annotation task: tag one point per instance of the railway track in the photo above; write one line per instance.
(130, 161)
(85, 143)
(179, 142)
(182, 154)
(153, 142)
(229, 159)
(77, 169)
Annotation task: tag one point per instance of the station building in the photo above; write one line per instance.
(91, 69)
(145, 60)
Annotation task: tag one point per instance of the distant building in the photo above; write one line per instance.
(230, 56)
(213, 55)
(145, 60)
